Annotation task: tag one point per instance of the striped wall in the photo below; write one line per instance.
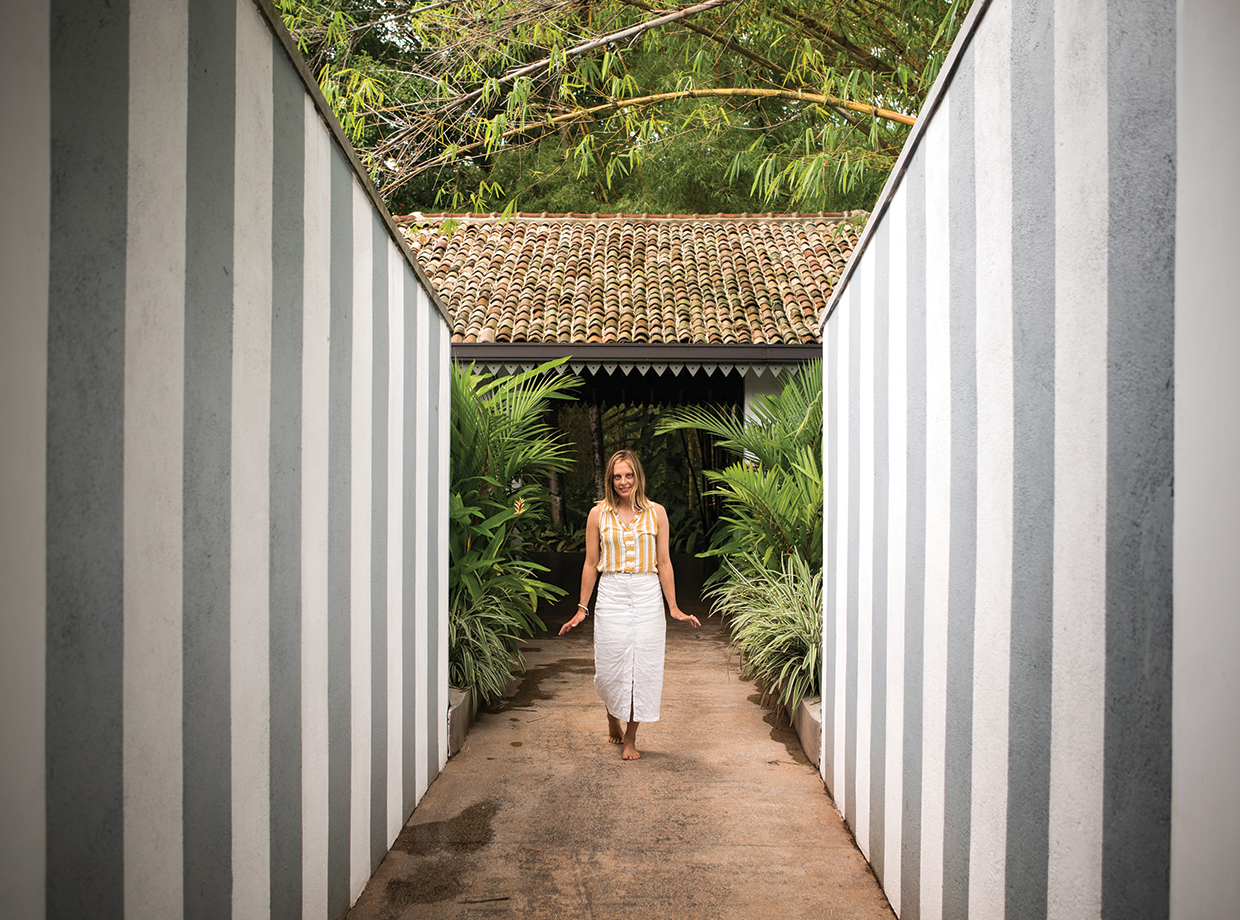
(222, 478)
(999, 508)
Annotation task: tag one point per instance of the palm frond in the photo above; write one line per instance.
(778, 424)
(501, 447)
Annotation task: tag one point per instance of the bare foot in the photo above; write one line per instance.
(630, 751)
(614, 733)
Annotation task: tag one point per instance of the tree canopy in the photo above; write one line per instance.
(621, 105)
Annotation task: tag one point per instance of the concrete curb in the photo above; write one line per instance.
(460, 716)
(808, 724)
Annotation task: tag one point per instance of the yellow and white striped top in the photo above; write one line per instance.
(628, 547)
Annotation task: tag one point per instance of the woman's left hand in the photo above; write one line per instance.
(679, 614)
(577, 620)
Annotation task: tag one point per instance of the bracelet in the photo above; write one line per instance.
(585, 608)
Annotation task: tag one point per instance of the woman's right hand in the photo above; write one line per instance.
(575, 621)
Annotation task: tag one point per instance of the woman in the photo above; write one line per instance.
(627, 552)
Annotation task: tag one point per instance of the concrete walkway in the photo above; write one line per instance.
(537, 816)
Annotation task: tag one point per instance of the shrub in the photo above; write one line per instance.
(484, 632)
(499, 445)
(776, 622)
(770, 536)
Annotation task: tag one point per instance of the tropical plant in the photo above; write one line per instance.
(500, 446)
(776, 623)
(773, 494)
(485, 629)
(769, 587)
(772, 513)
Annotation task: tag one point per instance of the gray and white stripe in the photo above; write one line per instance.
(240, 373)
(995, 377)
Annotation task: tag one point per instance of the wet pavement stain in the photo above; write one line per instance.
(438, 881)
(447, 848)
(530, 690)
(469, 831)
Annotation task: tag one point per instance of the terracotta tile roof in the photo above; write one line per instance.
(691, 279)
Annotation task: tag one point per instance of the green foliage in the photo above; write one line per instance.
(776, 623)
(772, 513)
(484, 631)
(500, 446)
(770, 536)
(353, 81)
(680, 175)
(773, 496)
(615, 105)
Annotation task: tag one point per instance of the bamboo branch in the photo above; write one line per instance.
(800, 95)
(730, 43)
(875, 64)
(578, 50)
(619, 104)
(900, 48)
(735, 47)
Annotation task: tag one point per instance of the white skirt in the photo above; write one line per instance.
(629, 634)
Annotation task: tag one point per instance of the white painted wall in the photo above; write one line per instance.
(154, 451)
(1205, 799)
(250, 625)
(315, 444)
(1078, 691)
(766, 385)
(992, 639)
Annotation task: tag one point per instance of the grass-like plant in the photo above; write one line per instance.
(776, 620)
(484, 632)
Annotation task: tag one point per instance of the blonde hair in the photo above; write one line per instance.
(610, 498)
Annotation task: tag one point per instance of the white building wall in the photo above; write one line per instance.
(1205, 798)
(212, 335)
(769, 384)
(1045, 277)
